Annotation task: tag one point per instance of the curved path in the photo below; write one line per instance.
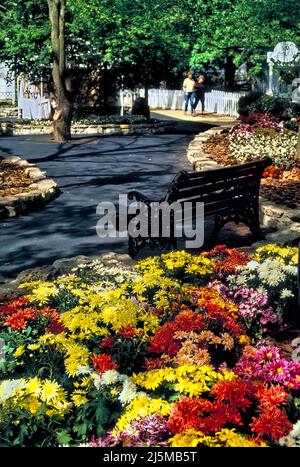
(88, 170)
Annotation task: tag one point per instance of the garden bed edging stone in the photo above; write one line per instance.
(41, 190)
(109, 129)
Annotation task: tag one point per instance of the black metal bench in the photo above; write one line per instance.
(229, 194)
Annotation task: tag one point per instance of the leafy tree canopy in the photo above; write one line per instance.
(143, 40)
(241, 29)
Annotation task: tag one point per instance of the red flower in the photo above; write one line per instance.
(107, 343)
(128, 332)
(227, 260)
(17, 315)
(271, 396)
(189, 321)
(154, 363)
(272, 422)
(201, 415)
(14, 305)
(223, 312)
(221, 415)
(186, 414)
(236, 393)
(164, 342)
(103, 362)
(56, 327)
(19, 319)
(273, 172)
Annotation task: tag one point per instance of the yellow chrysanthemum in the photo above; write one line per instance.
(79, 399)
(34, 386)
(191, 380)
(33, 347)
(50, 391)
(43, 292)
(190, 438)
(284, 255)
(244, 339)
(19, 351)
(140, 407)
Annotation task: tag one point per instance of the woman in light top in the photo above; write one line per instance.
(188, 88)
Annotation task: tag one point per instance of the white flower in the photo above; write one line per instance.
(293, 438)
(285, 293)
(83, 370)
(128, 392)
(109, 377)
(97, 381)
(252, 265)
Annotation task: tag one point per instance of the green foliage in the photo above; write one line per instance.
(276, 106)
(6, 103)
(243, 30)
(249, 102)
(279, 107)
(142, 42)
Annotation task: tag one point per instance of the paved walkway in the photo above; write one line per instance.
(189, 124)
(88, 170)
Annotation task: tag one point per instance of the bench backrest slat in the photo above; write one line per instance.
(239, 182)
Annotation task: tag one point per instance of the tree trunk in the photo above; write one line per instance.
(146, 93)
(64, 104)
(230, 70)
(147, 100)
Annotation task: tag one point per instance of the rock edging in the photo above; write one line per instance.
(286, 221)
(41, 191)
(109, 129)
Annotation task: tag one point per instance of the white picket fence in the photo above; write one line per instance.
(220, 102)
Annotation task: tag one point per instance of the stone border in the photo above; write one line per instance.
(109, 129)
(38, 193)
(286, 221)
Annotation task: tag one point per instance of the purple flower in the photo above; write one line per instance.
(107, 442)
(255, 304)
(265, 363)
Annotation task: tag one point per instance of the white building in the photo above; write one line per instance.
(7, 87)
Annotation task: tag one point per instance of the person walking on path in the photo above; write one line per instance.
(199, 93)
(189, 92)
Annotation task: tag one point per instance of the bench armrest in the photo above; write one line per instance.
(139, 197)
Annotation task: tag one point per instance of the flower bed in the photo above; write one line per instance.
(257, 136)
(260, 135)
(170, 352)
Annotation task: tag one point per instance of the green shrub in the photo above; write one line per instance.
(249, 102)
(276, 106)
(5, 103)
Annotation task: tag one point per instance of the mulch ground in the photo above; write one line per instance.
(283, 190)
(13, 179)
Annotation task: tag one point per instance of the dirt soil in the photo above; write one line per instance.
(13, 179)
